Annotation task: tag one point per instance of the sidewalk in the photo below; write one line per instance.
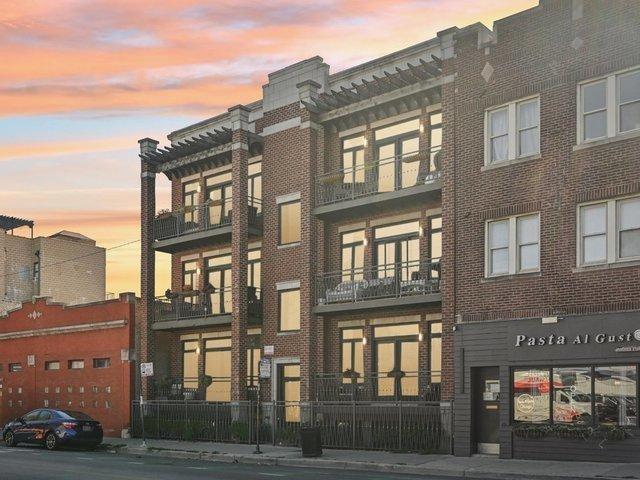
(485, 467)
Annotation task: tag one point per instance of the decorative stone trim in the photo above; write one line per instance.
(609, 192)
(510, 210)
(85, 327)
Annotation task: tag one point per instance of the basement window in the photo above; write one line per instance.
(52, 365)
(101, 362)
(15, 367)
(76, 364)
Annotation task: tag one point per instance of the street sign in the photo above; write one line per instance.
(146, 369)
(265, 368)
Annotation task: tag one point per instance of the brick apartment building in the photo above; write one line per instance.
(66, 266)
(71, 358)
(417, 228)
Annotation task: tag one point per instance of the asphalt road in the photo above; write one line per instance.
(28, 463)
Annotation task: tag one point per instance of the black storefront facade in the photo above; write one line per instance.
(558, 388)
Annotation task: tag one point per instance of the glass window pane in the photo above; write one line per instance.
(630, 243)
(594, 96)
(630, 117)
(436, 245)
(595, 125)
(435, 358)
(529, 142)
(290, 310)
(397, 129)
(593, 219)
(499, 261)
(397, 330)
(353, 142)
(409, 146)
(629, 87)
(594, 249)
(499, 234)
(409, 228)
(528, 229)
(435, 118)
(616, 401)
(572, 395)
(254, 168)
(385, 360)
(529, 257)
(289, 223)
(499, 148)
(353, 237)
(528, 114)
(358, 359)
(387, 175)
(435, 139)
(498, 122)
(531, 389)
(352, 334)
(218, 367)
(629, 213)
(346, 357)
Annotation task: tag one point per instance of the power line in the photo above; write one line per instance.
(76, 258)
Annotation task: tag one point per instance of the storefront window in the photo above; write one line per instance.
(615, 389)
(531, 389)
(572, 395)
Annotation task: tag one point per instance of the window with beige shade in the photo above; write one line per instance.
(289, 223)
(217, 365)
(289, 304)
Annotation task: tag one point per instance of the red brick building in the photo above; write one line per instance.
(74, 358)
(387, 232)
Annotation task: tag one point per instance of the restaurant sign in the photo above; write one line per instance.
(580, 339)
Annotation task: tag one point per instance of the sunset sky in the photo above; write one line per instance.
(83, 80)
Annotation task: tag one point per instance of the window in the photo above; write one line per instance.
(435, 141)
(609, 231)
(352, 255)
(254, 186)
(396, 148)
(513, 245)
(289, 222)
(609, 106)
(353, 160)
(435, 245)
(352, 353)
(76, 364)
(190, 354)
(513, 131)
(101, 362)
(190, 275)
(289, 303)
(15, 367)
(397, 250)
(289, 391)
(253, 364)
(219, 277)
(254, 272)
(52, 365)
(582, 395)
(69, 389)
(190, 201)
(217, 366)
(219, 193)
(435, 352)
(396, 360)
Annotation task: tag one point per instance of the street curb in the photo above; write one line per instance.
(467, 473)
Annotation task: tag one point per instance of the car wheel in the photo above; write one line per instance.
(51, 441)
(9, 439)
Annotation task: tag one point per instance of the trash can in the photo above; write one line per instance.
(310, 442)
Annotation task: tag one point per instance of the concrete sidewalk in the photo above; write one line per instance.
(480, 467)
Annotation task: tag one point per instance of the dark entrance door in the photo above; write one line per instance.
(487, 409)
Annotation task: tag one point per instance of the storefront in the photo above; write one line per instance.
(555, 388)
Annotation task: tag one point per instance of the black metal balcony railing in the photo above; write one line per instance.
(379, 176)
(199, 218)
(185, 305)
(350, 386)
(383, 281)
(178, 388)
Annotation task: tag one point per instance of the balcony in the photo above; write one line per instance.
(353, 387)
(390, 180)
(399, 284)
(198, 225)
(198, 309)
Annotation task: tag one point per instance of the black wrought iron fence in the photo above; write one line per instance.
(394, 426)
(393, 280)
(375, 386)
(198, 218)
(378, 176)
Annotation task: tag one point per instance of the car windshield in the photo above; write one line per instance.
(70, 415)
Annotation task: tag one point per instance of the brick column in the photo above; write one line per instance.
(147, 258)
(239, 234)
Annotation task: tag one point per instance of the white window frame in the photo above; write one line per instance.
(612, 85)
(513, 248)
(513, 131)
(612, 233)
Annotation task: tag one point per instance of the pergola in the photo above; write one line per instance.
(8, 223)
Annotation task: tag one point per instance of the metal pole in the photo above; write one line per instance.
(258, 451)
(144, 435)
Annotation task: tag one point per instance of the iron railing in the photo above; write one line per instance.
(185, 305)
(393, 426)
(199, 218)
(382, 281)
(379, 176)
(351, 386)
